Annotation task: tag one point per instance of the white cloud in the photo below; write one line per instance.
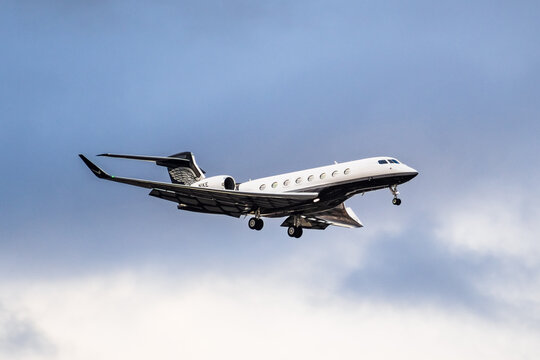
(20, 337)
(140, 316)
(500, 222)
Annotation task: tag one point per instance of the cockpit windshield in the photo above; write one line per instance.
(388, 161)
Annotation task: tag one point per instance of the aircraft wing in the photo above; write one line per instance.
(338, 216)
(216, 201)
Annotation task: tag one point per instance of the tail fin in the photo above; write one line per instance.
(182, 167)
(187, 173)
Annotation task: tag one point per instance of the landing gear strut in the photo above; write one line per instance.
(294, 231)
(396, 201)
(255, 224)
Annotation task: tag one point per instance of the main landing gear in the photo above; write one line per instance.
(255, 224)
(396, 201)
(294, 231)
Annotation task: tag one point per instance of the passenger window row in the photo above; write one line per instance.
(310, 178)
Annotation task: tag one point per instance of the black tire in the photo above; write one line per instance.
(291, 231)
(252, 223)
(396, 201)
(299, 232)
(259, 225)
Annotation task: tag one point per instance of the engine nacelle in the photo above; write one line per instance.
(223, 182)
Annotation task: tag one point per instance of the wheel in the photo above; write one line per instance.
(294, 231)
(253, 223)
(291, 231)
(396, 201)
(259, 224)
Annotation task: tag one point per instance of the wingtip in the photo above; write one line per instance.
(94, 168)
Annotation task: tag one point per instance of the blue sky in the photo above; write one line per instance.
(255, 89)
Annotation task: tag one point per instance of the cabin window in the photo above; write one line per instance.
(286, 182)
(383, 162)
(262, 187)
(323, 175)
(334, 173)
(274, 184)
(310, 178)
(347, 171)
(299, 180)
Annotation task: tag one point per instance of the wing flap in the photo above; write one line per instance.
(306, 222)
(339, 216)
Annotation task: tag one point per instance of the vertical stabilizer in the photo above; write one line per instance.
(185, 173)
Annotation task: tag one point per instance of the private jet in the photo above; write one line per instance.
(310, 199)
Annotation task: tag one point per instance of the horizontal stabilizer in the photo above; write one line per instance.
(182, 167)
(160, 160)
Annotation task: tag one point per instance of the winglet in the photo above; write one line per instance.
(95, 169)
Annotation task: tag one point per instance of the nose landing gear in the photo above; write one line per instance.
(396, 201)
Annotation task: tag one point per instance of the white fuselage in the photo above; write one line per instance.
(327, 176)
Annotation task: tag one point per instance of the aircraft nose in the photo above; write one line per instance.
(411, 171)
(414, 171)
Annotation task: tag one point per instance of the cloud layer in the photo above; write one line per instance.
(142, 315)
(390, 295)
